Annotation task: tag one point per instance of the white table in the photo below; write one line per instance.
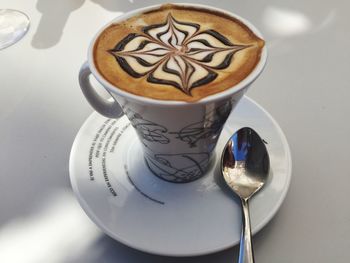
(305, 87)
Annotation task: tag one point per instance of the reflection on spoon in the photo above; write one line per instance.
(245, 167)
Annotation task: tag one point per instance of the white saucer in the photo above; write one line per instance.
(130, 204)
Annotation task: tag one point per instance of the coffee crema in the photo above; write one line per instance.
(177, 53)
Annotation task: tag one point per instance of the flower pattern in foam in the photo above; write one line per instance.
(175, 53)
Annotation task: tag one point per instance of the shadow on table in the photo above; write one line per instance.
(291, 21)
(53, 20)
(55, 15)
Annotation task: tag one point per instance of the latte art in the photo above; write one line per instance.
(175, 53)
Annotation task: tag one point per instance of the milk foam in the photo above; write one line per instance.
(175, 53)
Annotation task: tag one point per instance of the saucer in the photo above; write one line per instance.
(118, 192)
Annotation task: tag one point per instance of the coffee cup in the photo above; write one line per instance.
(178, 136)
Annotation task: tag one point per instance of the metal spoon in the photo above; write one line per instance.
(245, 167)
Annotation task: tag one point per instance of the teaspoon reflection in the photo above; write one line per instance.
(245, 167)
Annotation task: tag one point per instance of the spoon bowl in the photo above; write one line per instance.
(245, 167)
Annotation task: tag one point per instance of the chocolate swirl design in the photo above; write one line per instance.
(175, 53)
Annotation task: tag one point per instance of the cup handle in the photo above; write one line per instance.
(108, 108)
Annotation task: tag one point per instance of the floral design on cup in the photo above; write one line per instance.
(209, 128)
(176, 53)
(149, 131)
(178, 168)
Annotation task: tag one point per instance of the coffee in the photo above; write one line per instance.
(177, 53)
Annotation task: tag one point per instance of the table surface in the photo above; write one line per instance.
(305, 87)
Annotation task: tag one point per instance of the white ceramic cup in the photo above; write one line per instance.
(178, 137)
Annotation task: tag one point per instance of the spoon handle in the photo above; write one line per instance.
(246, 254)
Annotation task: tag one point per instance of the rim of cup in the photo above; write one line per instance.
(211, 98)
